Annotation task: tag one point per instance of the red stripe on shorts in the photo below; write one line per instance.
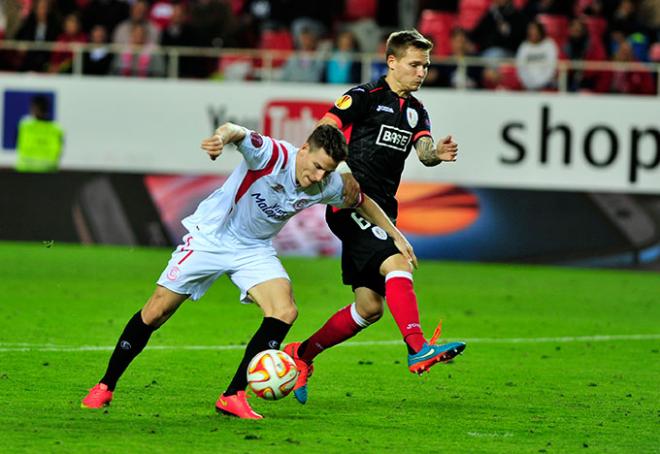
(185, 257)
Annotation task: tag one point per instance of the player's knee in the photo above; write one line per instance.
(374, 316)
(395, 263)
(369, 309)
(287, 313)
(158, 309)
(154, 315)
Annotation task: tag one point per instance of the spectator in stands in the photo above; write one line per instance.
(500, 31)
(306, 65)
(139, 15)
(3, 21)
(61, 61)
(41, 25)
(11, 13)
(378, 66)
(270, 14)
(553, 7)
(537, 58)
(139, 59)
(315, 16)
(260, 15)
(97, 61)
(387, 14)
(625, 19)
(637, 81)
(160, 13)
(445, 6)
(179, 32)
(580, 47)
(108, 13)
(343, 66)
(453, 74)
(214, 23)
(648, 14)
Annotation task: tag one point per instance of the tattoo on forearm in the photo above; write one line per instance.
(426, 152)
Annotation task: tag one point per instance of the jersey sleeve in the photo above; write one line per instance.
(423, 127)
(333, 193)
(257, 150)
(351, 106)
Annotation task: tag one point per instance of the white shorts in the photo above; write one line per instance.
(194, 266)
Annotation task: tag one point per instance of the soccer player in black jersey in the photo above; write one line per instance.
(382, 122)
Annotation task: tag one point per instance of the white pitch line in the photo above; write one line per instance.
(26, 347)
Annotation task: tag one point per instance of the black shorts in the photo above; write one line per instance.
(364, 248)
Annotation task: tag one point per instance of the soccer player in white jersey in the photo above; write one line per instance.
(230, 233)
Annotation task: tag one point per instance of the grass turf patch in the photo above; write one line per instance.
(502, 395)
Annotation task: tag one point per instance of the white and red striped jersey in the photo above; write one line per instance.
(261, 194)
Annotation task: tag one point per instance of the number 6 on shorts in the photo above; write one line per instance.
(360, 221)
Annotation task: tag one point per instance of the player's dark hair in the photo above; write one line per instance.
(331, 139)
(400, 41)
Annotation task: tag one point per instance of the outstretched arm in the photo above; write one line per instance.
(370, 210)
(431, 155)
(227, 133)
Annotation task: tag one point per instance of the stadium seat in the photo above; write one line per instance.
(596, 27)
(161, 13)
(556, 27)
(236, 67)
(654, 53)
(237, 6)
(276, 40)
(359, 9)
(470, 12)
(581, 5)
(510, 79)
(437, 26)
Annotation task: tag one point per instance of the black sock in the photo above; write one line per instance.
(270, 334)
(130, 344)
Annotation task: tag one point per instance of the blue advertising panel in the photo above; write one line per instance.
(16, 105)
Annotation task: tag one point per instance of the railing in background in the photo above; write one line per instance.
(265, 65)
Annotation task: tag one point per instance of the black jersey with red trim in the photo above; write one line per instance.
(381, 129)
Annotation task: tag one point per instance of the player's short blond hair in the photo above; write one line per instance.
(399, 42)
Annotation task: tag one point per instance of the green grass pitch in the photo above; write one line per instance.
(535, 376)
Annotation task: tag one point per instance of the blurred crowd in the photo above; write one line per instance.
(533, 36)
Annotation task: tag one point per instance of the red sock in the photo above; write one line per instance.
(343, 325)
(402, 302)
